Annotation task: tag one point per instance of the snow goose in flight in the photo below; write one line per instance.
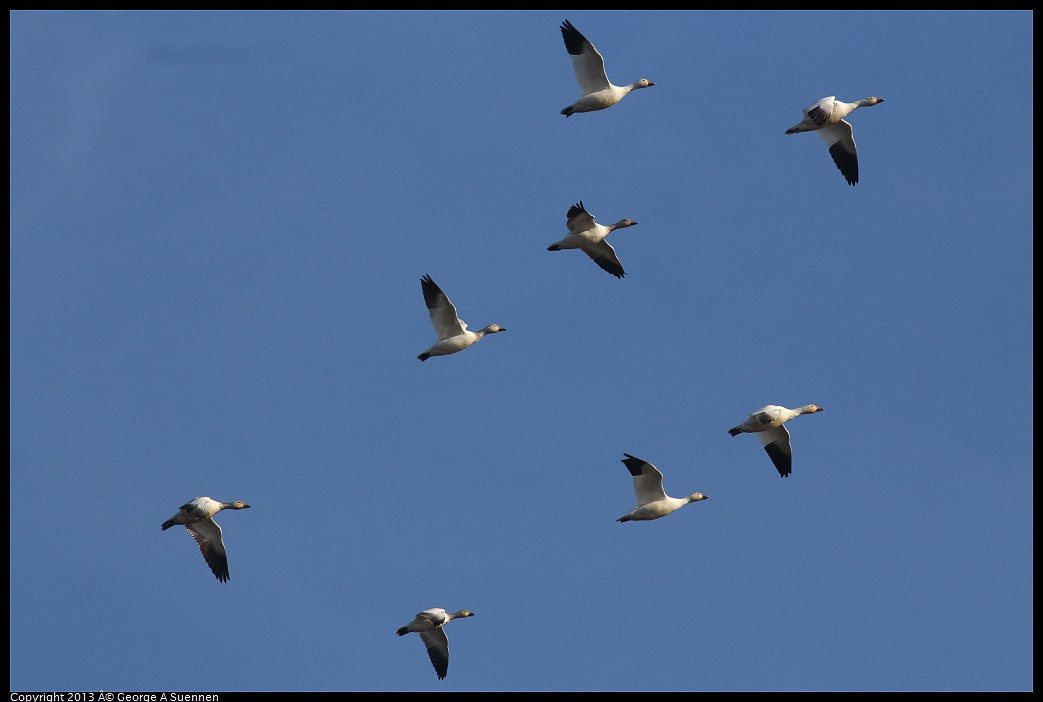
(652, 500)
(768, 423)
(198, 517)
(589, 236)
(429, 625)
(452, 331)
(589, 66)
(827, 118)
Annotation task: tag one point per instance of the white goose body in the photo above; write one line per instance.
(429, 625)
(589, 67)
(589, 236)
(652, 500)
(827, 118)
(197, 516)
(768, 423)
(453, 335)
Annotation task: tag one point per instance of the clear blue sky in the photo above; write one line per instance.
(219, 222)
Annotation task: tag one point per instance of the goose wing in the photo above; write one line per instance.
(207, 534)
(648, 481)
(587, 63)
(437, 644)
(820, 112)
(841, 144)
(777, 445)
(443, 313)
(578, 219)
(605, 256)
(201, 507)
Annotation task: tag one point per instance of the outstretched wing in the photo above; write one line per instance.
(207, 534)
(437, 650)
(587, 63)
(443, 313)
(648, 481)
(605, 256)
(841, 143)
(777, 445)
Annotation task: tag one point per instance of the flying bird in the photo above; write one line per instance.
(589, 237)
(198, 517)
(827, 118)
(452, 331)
(652, 500)
(429, 625)
(768, 423)
(589, 66)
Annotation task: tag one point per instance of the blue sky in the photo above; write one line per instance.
(219, 222)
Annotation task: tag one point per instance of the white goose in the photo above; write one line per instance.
(827, 118)
(589, 236)
(652, 500)
(197, 516)
(589, 66)
(429, 625)
(768, 423)
(452, 331)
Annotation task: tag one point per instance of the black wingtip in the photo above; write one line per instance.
(783, 461)
(847, 163)
(611, 269)
(573, 39)
(576, 209)
(634, 465)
